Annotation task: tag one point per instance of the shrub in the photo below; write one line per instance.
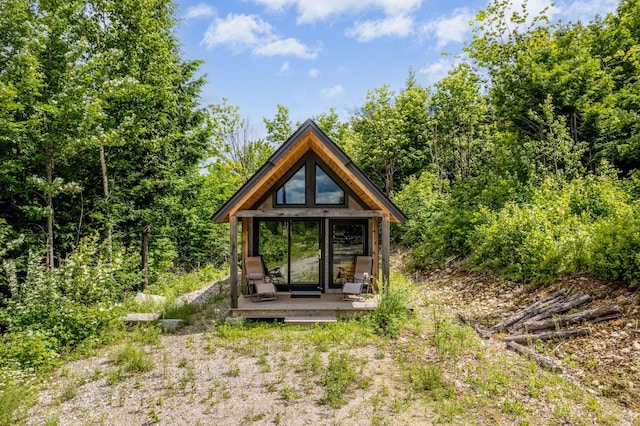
(588, 224)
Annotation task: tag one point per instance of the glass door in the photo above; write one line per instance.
(305, 254)
(292, 248)
(348, 240)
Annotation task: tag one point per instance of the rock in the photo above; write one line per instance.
(234, 320)
(636, 346)
(143, 298)
(625, 351)
(140, 318)
(171, 324)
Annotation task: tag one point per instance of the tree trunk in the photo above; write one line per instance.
(50, 257)
(602, 313)
(560, 334)
(544, 361)
(105, 188)
(524, 313)
(145, 256)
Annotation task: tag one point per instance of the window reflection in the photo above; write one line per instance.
(327, 190)
(293, 191)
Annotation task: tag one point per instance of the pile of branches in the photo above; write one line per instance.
(546, 319)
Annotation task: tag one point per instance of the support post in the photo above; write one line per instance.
(386, 250)
(375, 252)
(233, 248)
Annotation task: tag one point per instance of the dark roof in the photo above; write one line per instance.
(310, 126)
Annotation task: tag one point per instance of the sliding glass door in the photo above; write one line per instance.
(294, 246)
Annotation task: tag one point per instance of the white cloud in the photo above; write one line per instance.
(314, 73)
(250, 32)
(285, 69)
(238, 31)
(286, 47)
(449, 29)
(399, 26)
(585, 10)
(332, 92)
(310, 11)
(201, 10)
(436, 71)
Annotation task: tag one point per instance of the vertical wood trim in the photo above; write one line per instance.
(327, 252)
(246, 233)
(375, 250)
(233, 262)
(386, 242)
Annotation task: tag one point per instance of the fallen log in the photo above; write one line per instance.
(560, 334)
(482, 331)
(602, 313)
(525, 313)
(552, 309)
(542, 360)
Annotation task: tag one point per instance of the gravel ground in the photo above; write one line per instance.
(202, 378)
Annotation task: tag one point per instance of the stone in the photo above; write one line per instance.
(154, 298)
(171, 324)
(139, 318)
(636, 346)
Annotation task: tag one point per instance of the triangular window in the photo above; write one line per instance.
(327, 190)
(293, 192)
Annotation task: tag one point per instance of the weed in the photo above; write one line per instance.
(447, 411)
(426, 376)
(153, 417)
(264, 364)
(512, 407)
(115, 376)
(448, 338)
(340, 375)
(182, 363)
(234, 371)
(134, 359)
(182, 311)
(146, 335)
(391, 312)
(68, 394)
(288, 394)
(15, 394)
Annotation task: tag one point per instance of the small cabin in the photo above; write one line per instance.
(308, 212)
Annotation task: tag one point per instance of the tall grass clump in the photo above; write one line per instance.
(16, 392)
(392, 312)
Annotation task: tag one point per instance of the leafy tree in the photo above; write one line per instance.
(279, 129)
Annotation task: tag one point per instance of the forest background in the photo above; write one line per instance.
(522, 161)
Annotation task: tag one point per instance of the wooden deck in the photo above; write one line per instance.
(286, 307)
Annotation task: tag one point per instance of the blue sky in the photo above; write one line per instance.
(311, 55)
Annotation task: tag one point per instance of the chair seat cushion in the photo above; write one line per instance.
(352, 288)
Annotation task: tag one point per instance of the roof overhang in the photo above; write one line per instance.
(308, 138)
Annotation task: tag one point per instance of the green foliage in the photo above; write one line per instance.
(588, 224)
(54, 312)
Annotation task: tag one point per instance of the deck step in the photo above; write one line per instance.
(310, 319)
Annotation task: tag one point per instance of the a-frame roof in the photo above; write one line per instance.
(307, 138)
